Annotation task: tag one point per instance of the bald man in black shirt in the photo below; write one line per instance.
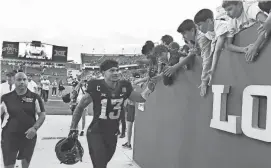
(19, 127)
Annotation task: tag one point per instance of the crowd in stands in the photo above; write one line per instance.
(122, 59)
(207, 36)
(36, 69)
(125, 73)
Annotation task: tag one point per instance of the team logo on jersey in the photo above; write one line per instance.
(124, 89)
(98, 88)
(28, 100)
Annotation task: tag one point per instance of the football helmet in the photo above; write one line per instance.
(66, 98)
(69, 151)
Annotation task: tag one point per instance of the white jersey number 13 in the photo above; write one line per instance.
(115, 114)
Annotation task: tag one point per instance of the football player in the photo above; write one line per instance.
(108, 96)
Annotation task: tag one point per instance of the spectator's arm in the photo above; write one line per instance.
(218, 48)
(261, 38)
(141, 80)
(206, 55)
(185, 60)
(254, 49)
(266, 25)
(231, 47)
(169, 71)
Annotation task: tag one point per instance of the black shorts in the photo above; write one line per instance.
(130, 112)
(101, 148)
(16, 146)
(61, 88)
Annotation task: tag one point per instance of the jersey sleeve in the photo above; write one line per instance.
(39, 106)
(221, 27)
(91, 87)
(205, 47)
(232, 28)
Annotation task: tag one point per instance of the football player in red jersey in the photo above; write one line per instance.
(108, 96)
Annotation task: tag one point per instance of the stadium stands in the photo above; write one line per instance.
(95, 60)
(59, 71)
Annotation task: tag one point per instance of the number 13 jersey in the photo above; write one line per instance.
(107, 105)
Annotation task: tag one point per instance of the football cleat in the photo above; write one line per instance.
(69, 151)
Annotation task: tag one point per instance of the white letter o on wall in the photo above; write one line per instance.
(250, 112)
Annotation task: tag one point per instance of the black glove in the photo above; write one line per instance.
(73, 134)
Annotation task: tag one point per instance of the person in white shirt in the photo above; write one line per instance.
(54, 87)
(45, 88)
(8, 86)
(32, 86)
(244, 15)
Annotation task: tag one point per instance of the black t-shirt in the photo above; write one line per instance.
(20, 110)
(265, 6)
(107, 104)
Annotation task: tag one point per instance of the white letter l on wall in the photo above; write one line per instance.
(219, 120)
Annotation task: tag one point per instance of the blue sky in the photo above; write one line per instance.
(106, 25)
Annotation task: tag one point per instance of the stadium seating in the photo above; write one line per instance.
(122, 59)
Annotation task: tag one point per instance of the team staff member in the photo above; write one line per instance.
(20, 126)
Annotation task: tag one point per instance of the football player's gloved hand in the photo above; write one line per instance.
(73, 134)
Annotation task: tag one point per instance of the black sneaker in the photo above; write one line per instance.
(122, 135)
(82, 133)
(127, 146)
